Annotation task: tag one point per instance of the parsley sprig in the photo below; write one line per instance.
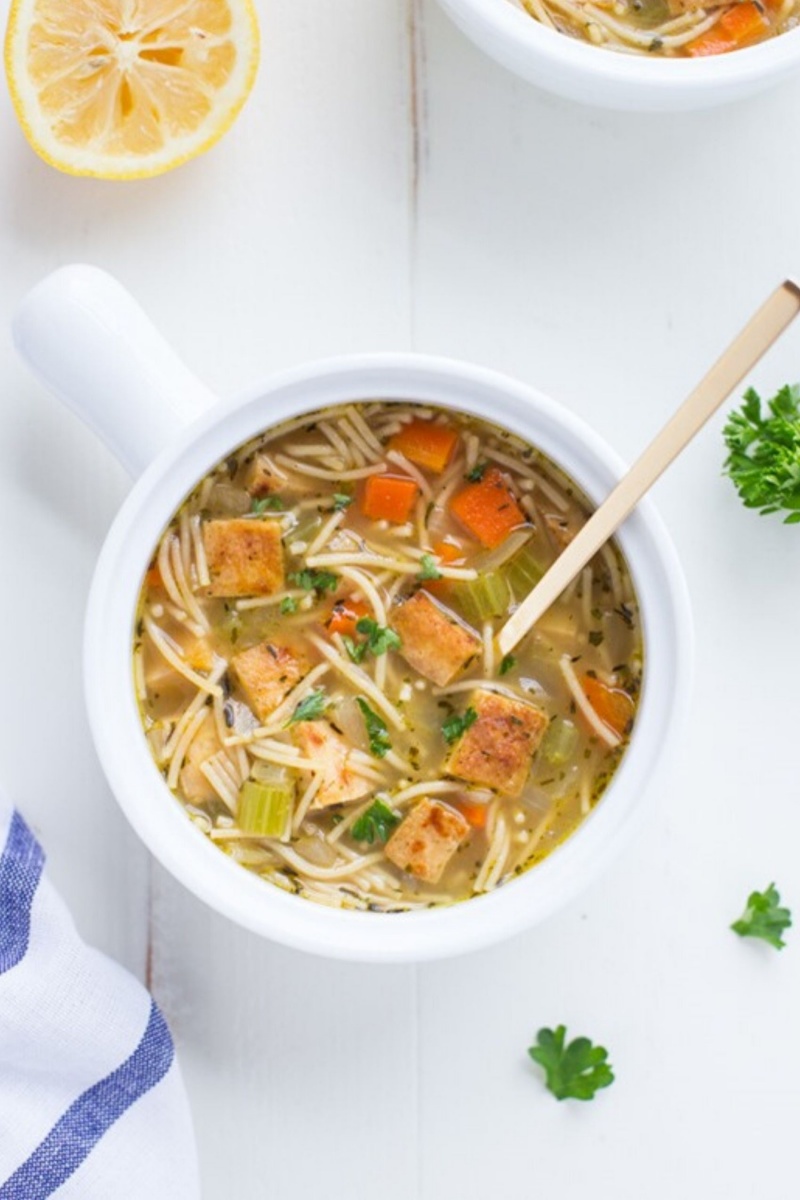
(764, 918)
(315, 581)
(573, 1070)
(456, 725)
(377, 731)
(477, 473)
(267, 504)
(764, 452)
(376, 824)
(379, 639)
(428, 568)
(311, 707)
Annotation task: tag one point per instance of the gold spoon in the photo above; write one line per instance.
(763, 328)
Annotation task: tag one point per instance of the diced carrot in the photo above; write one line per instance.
(447, 552)
(740, 26)
(389, 498)
(345, 616)
(613, 706)
(153, 578)
(476, 814)
(426, 444)
(488, 508)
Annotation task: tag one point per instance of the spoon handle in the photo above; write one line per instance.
(763, 328)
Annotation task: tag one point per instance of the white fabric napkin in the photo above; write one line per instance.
(92, 1104)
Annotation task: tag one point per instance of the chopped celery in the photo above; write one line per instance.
(523, 572)
(560, 742)
(482, 598)
(264, 807)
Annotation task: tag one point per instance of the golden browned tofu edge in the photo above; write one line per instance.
(245, 556)
(427, 839)
(497, 749)
(434, 641)
(265, 674)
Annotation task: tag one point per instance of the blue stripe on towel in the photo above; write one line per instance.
(21, 866)
(76, 1134)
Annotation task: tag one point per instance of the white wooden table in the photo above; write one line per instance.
(389, 188)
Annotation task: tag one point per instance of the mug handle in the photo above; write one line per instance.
(85, 337)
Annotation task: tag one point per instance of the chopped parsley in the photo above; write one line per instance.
(376, 824)
(267, 504)
(596, 637)
(379, 637)
(309, 709)
(315, 581)
(455, 726)
(356, 650)
(574, 1070)
(477, 473)
(764, 918)
(341, 501)
(507, 663)
(288, 605)
(377, 731)
(428, 568)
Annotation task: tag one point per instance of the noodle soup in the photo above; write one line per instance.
(668, 28)
(316, 669)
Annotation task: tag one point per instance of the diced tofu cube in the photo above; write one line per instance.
(497, 749)
(245, 557)
(427, 839)
(259, 478)
(265, 674)
(340, 785)
(435, 642)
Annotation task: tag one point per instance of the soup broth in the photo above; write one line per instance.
(667, 28)
(316, 669)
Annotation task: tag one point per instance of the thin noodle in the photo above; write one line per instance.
(363, 582)
(327, 529)
(431, 787)
(182, 746)
(266, 601)
(358, 442)
(581, 699)
(161, 643)
(138, 674)
(165, 569)
(364, 429)
(361, 681)
(305, 801)
(336, 476)
(335, 439)
(220, 784)
(201, 561)
(189, 602)
(338, 872)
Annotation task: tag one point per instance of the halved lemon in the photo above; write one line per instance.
(123, 89)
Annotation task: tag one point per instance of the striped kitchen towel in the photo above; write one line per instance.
(92, 1105)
